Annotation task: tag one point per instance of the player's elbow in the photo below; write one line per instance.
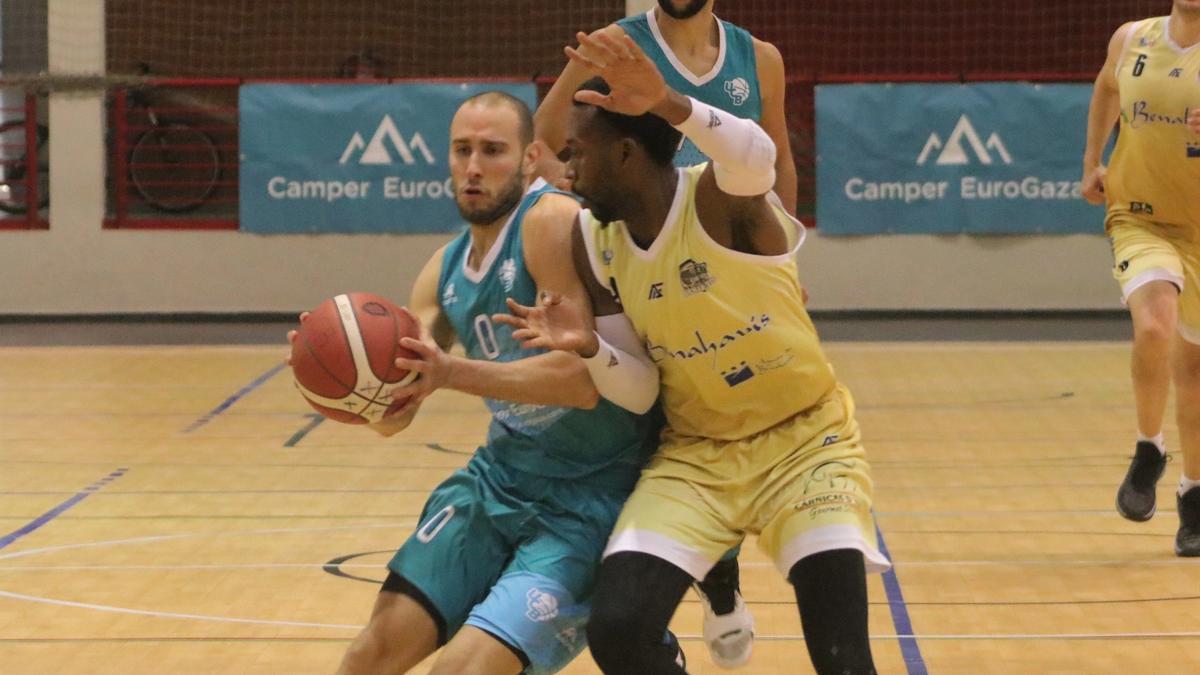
(752, 172)
(743, 181)
(589, 398)
(641, 398)
(642, 405)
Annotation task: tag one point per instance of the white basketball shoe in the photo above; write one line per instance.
(730, 637)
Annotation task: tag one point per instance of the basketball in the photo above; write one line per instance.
(343, 357)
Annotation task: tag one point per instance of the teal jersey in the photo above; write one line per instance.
(732, 84)
(607, 444)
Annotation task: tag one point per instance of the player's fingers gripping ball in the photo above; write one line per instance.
(343, 357)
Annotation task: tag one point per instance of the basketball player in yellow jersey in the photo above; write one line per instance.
(760, 436)
(1151, 80)
(723, 65)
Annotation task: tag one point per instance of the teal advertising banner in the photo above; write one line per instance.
(989, 158)
(341, 158)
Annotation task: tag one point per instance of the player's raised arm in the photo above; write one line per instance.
(743, 155)
(550, 119)
(774, 120)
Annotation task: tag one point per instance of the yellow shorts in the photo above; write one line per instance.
(803, 486)
(1145, 251)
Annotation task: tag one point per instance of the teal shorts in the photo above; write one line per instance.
(513, 554)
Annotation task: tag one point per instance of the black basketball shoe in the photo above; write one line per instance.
(1187, 540)
(1135, 498)
(673, 642)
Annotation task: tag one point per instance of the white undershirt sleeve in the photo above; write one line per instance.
(743, 155)
(621, 369)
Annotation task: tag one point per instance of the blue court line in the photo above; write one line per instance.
(316, 419)
(57, 511)
(234, 399)
(908, 640)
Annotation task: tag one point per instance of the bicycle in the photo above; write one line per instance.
(14, 170)
(174, 166)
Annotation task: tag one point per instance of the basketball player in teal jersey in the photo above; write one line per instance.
(700, 56)
(501, 567)
(720, 64)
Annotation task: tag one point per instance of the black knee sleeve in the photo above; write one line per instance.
(831, 589)
(721, 585)
(636, 595)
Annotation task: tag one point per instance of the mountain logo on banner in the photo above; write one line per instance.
(953, 153)
(376, 150)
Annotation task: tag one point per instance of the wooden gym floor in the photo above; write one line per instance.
(179, 509)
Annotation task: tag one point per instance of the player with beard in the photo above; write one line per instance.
(501, 566)
(720, 64)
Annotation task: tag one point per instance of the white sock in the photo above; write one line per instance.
(1186, 484)
(1158, 441)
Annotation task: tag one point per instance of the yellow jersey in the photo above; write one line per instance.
(736, 349)
(1154, 172)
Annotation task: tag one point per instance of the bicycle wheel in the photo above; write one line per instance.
(174, 167)
(14, 167)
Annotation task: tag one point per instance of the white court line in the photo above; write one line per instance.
(973, 346)
(167, 537)
(790, 638)
(1009, 512)
(138, 349)
(995, 636)
(173, 615)
(1016, 563)
(177, 615)
(921, 563)
(214, 566)
(303, 624)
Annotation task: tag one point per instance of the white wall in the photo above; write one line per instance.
(76, 267)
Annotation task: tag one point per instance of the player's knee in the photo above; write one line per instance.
(620, 636)
(608, 632)
(1155, 316)
(470, 664)
(1187, 372)
(831, 592)
(371, 648)
(1154, 330)
(634, 598)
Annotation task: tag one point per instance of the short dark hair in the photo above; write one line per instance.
(652, 132)
(494, 97)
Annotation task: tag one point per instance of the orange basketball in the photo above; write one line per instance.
(344, 356)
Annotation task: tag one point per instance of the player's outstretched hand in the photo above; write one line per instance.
(554, 323)
(636, 84)
(1093, 184)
